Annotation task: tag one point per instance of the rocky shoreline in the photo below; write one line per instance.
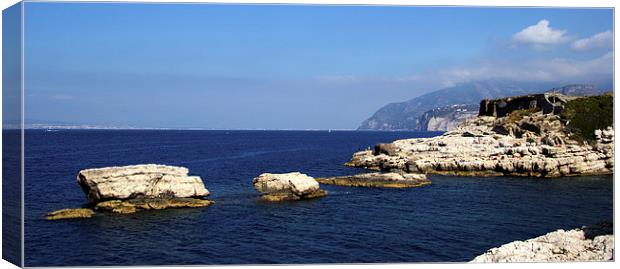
(523, 142)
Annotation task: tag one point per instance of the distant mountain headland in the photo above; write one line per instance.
(445, 109)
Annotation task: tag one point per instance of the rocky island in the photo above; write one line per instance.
(287, 187)
(540, 135)
(128, 189)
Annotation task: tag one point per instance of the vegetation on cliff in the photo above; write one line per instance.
(518, 115)
(587, 114)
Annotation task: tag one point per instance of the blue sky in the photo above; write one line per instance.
(288, 67)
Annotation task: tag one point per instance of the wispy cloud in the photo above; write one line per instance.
(339, 78)
(600, 40)
(558, 70)
(540, 34)
(63, 97)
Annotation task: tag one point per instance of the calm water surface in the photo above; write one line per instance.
(454, 219)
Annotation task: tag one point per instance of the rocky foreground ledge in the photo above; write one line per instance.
(287, 187)
(585, 244)
(531, 140)
(128, 189)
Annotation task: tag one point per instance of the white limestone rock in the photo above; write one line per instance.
(146, 180)
(296, 183)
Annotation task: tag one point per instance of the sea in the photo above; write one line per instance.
(452, 220)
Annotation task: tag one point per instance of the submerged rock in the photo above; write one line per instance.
(379, 180)
(287, 187)
(71, 213)
(557, 246)
(148, 180)
(137, 204)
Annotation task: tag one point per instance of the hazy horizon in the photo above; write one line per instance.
(286, 67)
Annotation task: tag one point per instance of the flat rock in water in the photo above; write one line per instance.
(148, 180)
(379, 180)
(287, 187)
(70, 213)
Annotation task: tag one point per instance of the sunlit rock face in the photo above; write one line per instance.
(147, 180)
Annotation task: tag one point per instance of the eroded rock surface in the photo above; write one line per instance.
(147, 180)
(287, 187)
(557, 246)
(379, 180)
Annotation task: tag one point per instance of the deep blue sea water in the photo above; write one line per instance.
(454, 219)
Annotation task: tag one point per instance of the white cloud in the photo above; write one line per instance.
(540, 34)
(600, 40)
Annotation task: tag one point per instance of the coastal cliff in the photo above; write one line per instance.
(447, 118)
(543, 135)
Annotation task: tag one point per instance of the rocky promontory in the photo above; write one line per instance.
(585, 244)
(287, 187)
(379, 180)
(128, 189)
(546, 135)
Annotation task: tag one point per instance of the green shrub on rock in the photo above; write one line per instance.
(584, 115)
